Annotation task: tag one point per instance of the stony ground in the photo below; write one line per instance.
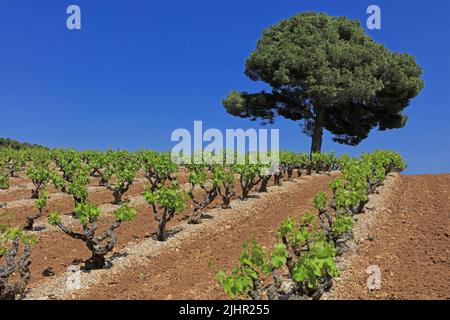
(405, 232)
(409, 242)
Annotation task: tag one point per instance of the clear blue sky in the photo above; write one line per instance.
(139, 69)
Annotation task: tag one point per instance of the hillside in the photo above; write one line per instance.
(408, 239)
(14, 144)
(409, 242)
(377, 220)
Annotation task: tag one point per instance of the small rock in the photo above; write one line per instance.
(287, 287)
(48, 272)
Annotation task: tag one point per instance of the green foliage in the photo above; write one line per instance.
(54, 219)
(222, 176)
(360, 176)
(158, 167)
(316, 263)
(247, 171)
(303, 247)
(322, 161)
(79, 191)
(293, 159)
(16, 145)
(317, 260)
(244, 276)
(321, 201)
(41, 202)
(39, 174)
(279, 256)
(249, 176)
(289, 232)
(307, 249)
(119, 173)
(70, 162)
(95, 161)
(342, 224)
(86, 213)
(124, 165)
(125, 213)
(57, 181)
(343, 160)
(197, 174)
(4, 181)
(308, 219)
(313, 261)
(167, 197)
(77, 184)
(344, 199)
(336, 184)
(328, 73)
(8, 234)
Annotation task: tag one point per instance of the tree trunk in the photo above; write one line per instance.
(226, 202)
(161, 234)
(316, 145)
(245, 192)
(264, 183)
(29, 224)
(196, 217)
(35, 193)
(118, 197)
(290, 171)
(277, 178)
(96, 262)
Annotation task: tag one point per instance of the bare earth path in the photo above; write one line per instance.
(409, 241)
(411, 244)
(183, 272)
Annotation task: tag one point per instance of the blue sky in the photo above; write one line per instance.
(139, 69)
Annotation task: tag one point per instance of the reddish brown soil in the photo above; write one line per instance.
(55, 251)
(184, 272)
(20, 187)
(411, 244)
(61, 202)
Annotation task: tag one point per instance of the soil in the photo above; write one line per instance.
(182, 270)
(405, 231)
(55, 251)
(409, 242)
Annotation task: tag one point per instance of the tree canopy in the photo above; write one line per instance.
(13, 144)
(329, 74)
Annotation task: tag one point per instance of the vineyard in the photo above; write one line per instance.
(61, 208)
